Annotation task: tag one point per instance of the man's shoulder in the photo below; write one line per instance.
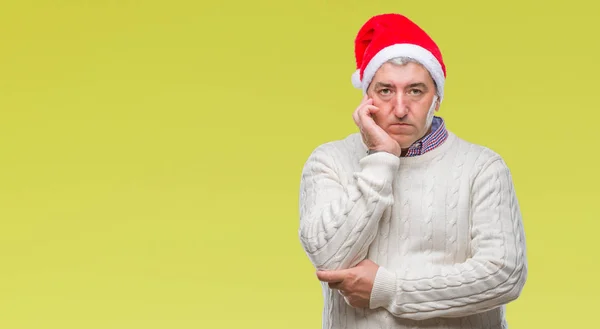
(348, 144)
(346, 148)
(480, 155)
(474, 147)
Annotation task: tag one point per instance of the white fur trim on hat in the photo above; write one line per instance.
(356, 79)
(418, 53)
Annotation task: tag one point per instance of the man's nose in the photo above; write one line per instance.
(400, 106)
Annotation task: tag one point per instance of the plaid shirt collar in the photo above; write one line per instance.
(435, 138)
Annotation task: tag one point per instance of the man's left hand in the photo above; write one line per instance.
(355, 284)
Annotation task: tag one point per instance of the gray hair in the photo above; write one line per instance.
(405, 60)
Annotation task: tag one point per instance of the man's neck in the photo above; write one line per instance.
(405, 150)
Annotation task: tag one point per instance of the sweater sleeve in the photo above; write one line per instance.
(494, 274)
(339, 217)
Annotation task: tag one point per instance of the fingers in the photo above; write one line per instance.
(364, 116)
(365, 100)
(351, 300)
(335, 285)
(370, 132)
(367, 111)
(331, 276)
(365, 262)
(363, 112)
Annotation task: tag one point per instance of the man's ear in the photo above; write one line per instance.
(437, 104)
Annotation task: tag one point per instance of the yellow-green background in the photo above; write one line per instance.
(150, 151)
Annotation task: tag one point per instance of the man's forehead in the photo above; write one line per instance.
(405, 74)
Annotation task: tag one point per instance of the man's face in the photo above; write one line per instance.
(404, 95)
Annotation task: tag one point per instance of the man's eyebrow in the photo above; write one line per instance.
(389, 85)
(383, 84)
(417, 84)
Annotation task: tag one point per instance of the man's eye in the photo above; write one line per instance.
(415, 92)
(385, 91)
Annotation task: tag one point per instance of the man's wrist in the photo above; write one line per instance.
(373, 151)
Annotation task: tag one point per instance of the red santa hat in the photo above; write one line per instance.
(387, 36)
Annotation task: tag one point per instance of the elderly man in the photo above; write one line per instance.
(407, 224)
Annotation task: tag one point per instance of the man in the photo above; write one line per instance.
(408, 225)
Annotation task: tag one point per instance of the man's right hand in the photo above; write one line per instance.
(372, 135)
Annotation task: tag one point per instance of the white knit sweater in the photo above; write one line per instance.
(445, 228)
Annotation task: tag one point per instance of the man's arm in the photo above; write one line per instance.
(494, 275)
(338, 220)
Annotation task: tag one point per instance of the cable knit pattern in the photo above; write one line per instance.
(445, 228)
